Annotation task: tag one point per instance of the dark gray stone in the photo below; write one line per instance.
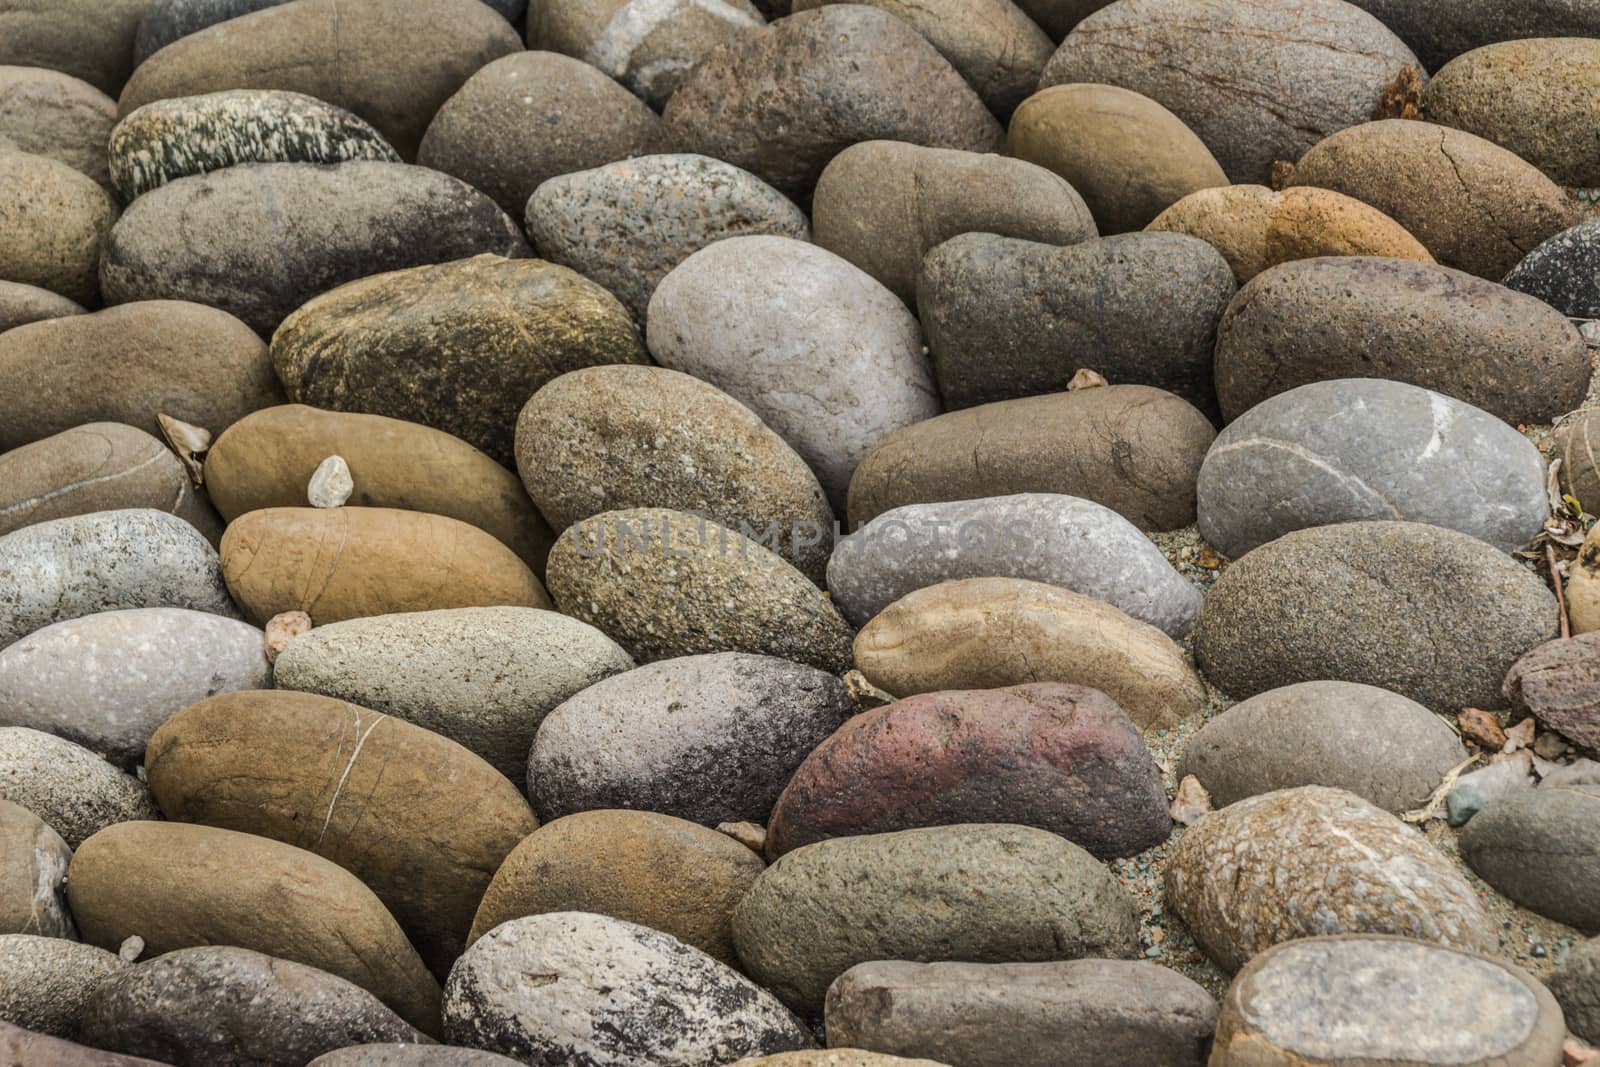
(1540, 849)
(1440, 30)
(1576, 987)
(1564, 271)
(46, 981)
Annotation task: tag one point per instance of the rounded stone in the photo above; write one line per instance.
(1384, 748)
(349, 563)
(88, 39)
(833, 1057)
(423, 821)
(33, 868)
(456, 346)
(53, 114)
(1302, 862)
(1576, 987)
(45, 982)
(1043, 537)
(979, 893)
(1364, 448)
(483, 677)
(57, 222)
(593, 991)
(1431, 614)
(1352, 317)
(170, 139)
(532, 116)
(1256, 228)
(1583, 587)
(222, 238)
(666, 583)
(1259, 80)
(1059, 757)
(107, 681)
(1007, 319)
(1129, 157)
(1472, 204)
(1557, 684)
(990, 633)
(606, 438)
(22, 304)
(593, 222)
(1538, 847)
(883, 204)
(73, 790)
(783, 100)
(41, 1050)
(410, 1056)
(709, 738)
(393, 64)
(1564, 272)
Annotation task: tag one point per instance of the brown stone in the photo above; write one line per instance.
(21, 304)
(1559, 683)
(833, 1057)
(56, 222)
(53, 114)
(1483, 727)
(33, 865)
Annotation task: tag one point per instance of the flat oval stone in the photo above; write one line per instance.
(1302, 862)
(1384, 748)
(1008, 319)
(1060, 757)
(709, 738)
(107, 681)
(21, 304)
(33, 868)
(613, 994)
(1363, 448)
(1351, 317)
(217, 1004)
(393, 64)
(979, 893)
(1128, 156)
(46, 981)
(53, 114)
(1583, 587)
(833, 1057)
(483, 677)
(171, 139)
(57, 222)
(384, 1055)
(41, 1050)
(883, 204)
(1559, 684)
(1472, 204)
(1538, 848)
(605, 438)
(990, 633)
(220, 239)
(88, 39)
(1440, 32)
(1043, 537)
(1131, 448)
(680, 878)
(1564, 272)
(1431, 614)
(783, 100)
(816, 347)
(348, 563)
(590, 220)
(457, 346)
(1259, 81)
(73, 790)
(1391, 1000)
(109, 560)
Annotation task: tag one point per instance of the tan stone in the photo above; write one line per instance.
(56, 221)
(1583, 586)
(21, 304)
(33, 864)
(56, 115)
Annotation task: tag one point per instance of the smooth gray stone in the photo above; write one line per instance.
(73, 790)
(1564, 271)
(45, 982)
(1541, 849)
(1440, 30)
(1044, 537)
(1365, 448)
(105, 561)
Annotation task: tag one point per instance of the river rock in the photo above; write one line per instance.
(1576, 987)
(53, 114)
(883, 204)
(710, 738)
(57, 221)
(349, 563)
(21, 304)
(1060, 757)
(221, 238)
(783, 100)
(1583, 587)
(1440, 32)
(606, 438)
(1255, 227)
(106, 681)
(833, 1057)
(410, 1056)
(1538, 848)
(1564, 272)
(1472, 204)
(40, 1050)
(591, 220)
(1127, 155)
(73, 790)
(171, 139)
(34, 860)
(990, 633)
(1045, 537)
(1131, 448)
(46, 981)
(88, 39)
(1008, 318)
(1107, 1011)
(1559, 684)
(483, 677)
(608, 994)
(424, 822)
(979, 893)
(393, 64)
(457, 346)
(1384, 748)
(1301, 862)
(1259, 81)
(67, 568)
(742, 315)
(1364, 448)
(1352, 317)
(666, 583)
(1422, 611)
(1371, 999)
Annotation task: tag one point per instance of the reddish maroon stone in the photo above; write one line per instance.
(1559, 683)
